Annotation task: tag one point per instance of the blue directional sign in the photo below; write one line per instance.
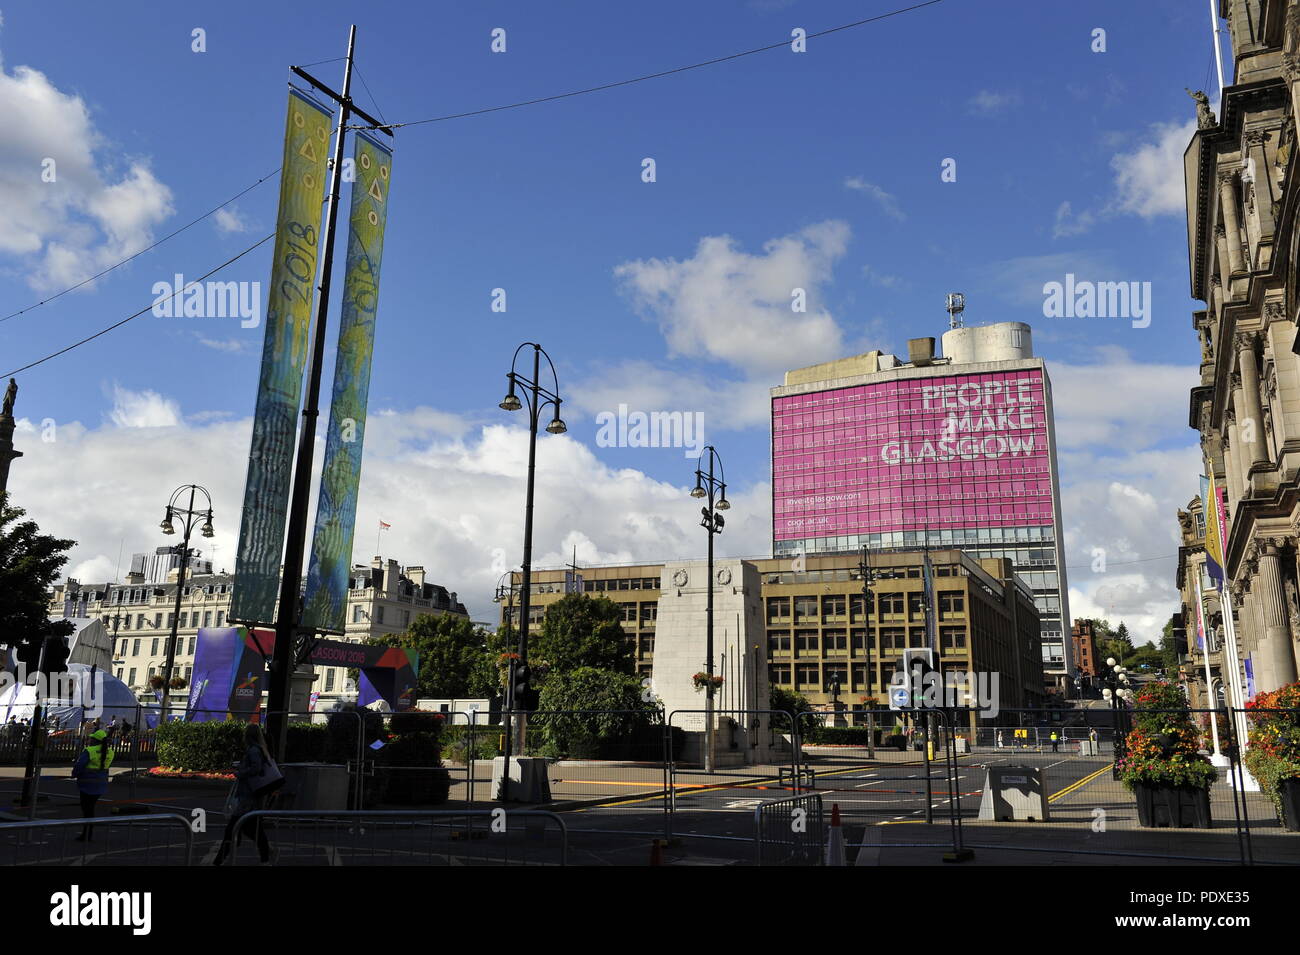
(900, 698)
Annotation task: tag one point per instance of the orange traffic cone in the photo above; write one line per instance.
(656, 852)
(835, 839)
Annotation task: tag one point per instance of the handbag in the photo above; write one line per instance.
(268, 780)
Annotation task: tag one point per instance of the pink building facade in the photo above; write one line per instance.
(937, 454)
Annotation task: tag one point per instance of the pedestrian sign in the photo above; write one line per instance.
(900, 698)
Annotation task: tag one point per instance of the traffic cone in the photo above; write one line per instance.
(656, 852)
(835, 839)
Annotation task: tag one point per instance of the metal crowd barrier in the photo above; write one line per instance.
(790, 831)
(116, 840)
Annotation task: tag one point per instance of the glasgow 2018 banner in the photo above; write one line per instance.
(336, 508)
(284, 356)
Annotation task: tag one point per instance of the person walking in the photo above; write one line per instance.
(256, 778)
(1000, 743)
(91, 773)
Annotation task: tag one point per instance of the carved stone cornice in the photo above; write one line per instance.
(1253, 137)
(1246, 341)
(1234, 380)
(1274, 311)
(1226, 177)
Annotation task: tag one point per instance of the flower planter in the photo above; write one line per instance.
(1172, 807)
(1288, 791)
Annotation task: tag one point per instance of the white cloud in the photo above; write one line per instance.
(231, 345)
(735, 307)
(883, 279)
(143, 409)
(1067, 223)
(1123, 481)
(95, 212)
(887, 201)
(1149, 178)
(229, 221)
(1020, 280)
(648, 386)
(454, 494)
(988, 102)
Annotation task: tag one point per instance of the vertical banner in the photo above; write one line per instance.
(284, 357)
(229, 667)
(930, 610)
(336, 509)
(1213, 543)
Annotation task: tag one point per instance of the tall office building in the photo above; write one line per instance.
(931, 452)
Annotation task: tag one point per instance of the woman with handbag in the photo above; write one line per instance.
(256, 778)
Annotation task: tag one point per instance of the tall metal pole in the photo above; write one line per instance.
(525, 597)
(288, 613)
(176, 616)
(708, 642)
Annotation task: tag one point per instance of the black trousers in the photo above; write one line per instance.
(237, 828)
(88, 801)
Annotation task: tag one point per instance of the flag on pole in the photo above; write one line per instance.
(383, 526)
(1213, 528)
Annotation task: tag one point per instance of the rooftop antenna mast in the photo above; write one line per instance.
(956, 305)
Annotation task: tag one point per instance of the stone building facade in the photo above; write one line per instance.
(806, 621)
(1243, 209)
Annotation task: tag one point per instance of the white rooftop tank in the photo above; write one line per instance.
(1005, 341)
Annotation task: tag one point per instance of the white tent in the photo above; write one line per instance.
(96, 694)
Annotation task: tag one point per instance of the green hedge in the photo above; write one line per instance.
(214, 747)
(841, 735)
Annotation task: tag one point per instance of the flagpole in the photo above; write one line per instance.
(1211, 697)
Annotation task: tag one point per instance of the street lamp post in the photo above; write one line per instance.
(188, 517)
(865, 574)
(1116, 691)
(537, 399)
(714, 488)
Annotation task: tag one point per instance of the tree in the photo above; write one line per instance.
(456, 657)
(579, 631)
(30, 563)
(620, 699)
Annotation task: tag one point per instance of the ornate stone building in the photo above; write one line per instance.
(1243, 221)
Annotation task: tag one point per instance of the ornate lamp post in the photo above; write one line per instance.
(1116, 691)
(189, 517)
(714, 488)
(867, 576)
(537, 399)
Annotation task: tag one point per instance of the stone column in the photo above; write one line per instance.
(1277, 631)
(1221, 268)
(1231, 222)
(1231, 464)
(1263, 185)
(1252, 425)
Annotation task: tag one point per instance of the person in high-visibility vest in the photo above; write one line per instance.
(91, 773)
(1055, 742)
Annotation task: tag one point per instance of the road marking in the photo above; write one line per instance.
(1078, 784)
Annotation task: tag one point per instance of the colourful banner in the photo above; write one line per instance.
(336, 511)
(284, 356)
(1213, 542)
(229, 671)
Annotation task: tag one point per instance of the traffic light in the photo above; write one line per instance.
(525, 697)
(28, 654)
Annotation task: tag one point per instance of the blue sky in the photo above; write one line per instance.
(819, 169)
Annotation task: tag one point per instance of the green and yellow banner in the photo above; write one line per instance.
(336, 510)
(284, 357)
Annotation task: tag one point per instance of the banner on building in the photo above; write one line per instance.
(284, 357)
(1213, 540)
(336, 509)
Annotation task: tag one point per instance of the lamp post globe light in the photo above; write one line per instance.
(189, 518)
(536, 399)
(1117, 691)
(712, 488)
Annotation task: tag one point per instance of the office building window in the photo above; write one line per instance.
(131, 681)
(356, 613)
(153, 651)
(779, 673)
(185, 616)
(951, 601)
(951, 638)
(207, 618)
(805, 641)
(171, 619)
(379, 615)
(778, 608)
(221, 617)
(891, 603)
(778, 641)
(858, 607)
(135, 648)
(833, 606)
(193, 642)
(835, 640)
(807, 675)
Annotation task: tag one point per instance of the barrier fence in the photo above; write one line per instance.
(907, 784)
(114, 840)
(790, 831)
(407, 837)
